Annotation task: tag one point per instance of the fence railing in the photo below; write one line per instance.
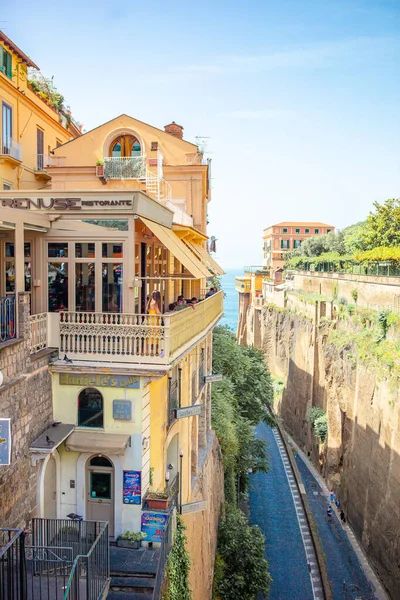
(38, 326)
(11, 148)
(42, 162)
(12, 565)
(90, 573)
(376, 269)
(8, 329)
(120, 167)
(165, 549)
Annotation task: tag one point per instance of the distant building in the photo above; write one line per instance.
(286, 236)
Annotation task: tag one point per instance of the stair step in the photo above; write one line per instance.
(129, 596)
(144, 583)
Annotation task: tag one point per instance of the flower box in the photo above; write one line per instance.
(122, 543)
(158, 501)
(99, 170)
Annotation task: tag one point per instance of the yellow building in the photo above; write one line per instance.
(30, 126)
(130, 389)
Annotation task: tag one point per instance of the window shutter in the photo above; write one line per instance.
(8, 65)
(1, 59)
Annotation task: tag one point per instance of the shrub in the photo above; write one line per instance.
(314, 413)
(342, 301)
(354, 295)
(321, 427)
(178, 566)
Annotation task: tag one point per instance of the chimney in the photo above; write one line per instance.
(174, 129)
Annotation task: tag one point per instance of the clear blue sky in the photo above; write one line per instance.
(299, 99)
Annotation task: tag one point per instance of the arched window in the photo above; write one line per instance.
(125, 146)
(100, 461)
(90, 408)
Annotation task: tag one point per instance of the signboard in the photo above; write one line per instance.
(212, 378)
(193, 507)
(63, 203)
(122, 410)
(132, 490)
(153, 526)
(188, 411)
(5, 441)
(99, 380)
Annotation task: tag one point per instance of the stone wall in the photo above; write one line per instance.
(25, 397)
(202, 527)
(361, 459)
(373, 292)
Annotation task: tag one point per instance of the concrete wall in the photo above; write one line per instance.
(373, 292)
(361, 458)
(25, 397)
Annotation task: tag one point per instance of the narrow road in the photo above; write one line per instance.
(341, 560)
(276, 508)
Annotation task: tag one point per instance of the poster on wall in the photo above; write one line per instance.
(132, 487)
(5, 441)
(153, 526)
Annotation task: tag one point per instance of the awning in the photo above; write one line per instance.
(205, 257)
(97, 441)
(178, 249)
(50, 439)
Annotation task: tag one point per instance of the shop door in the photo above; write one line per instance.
(100, 494)
(50, 494)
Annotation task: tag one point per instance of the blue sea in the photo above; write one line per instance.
(231, 302)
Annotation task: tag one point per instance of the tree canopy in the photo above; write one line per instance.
(383, 225)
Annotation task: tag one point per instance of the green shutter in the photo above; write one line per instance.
(8, 65)
(1, 59)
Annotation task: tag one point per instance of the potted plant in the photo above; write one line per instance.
(130, 539)
(158, 500)
(100, 168)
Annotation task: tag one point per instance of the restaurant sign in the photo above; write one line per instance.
(5, 441)
(64, 203)
(122, 410)
(193, 507)
(99, 380)
(188, 411)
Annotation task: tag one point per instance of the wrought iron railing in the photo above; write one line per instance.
(42, 162)
(12, 565)
(166, 546)
(38, 326)
(119, 167)
(8, 329)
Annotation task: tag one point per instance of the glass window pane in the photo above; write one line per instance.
(116, 151)
(58, 250)
(27, 250)
(90, 408)
(84, 250)
(100, 461)
(9, 250)
(10, 276)
(136, 149)
(28, 277)
(112, 287)
(112, 251)
(58, 286)
(85, 287)
(100, 485)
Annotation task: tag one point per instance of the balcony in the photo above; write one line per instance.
(132, 167)
(42, 162)
(125, 338)
(11, 153)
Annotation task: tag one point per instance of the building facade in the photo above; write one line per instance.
(283, 237)
(123, 215)
(30, 126)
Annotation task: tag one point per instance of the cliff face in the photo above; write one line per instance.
(361, 457)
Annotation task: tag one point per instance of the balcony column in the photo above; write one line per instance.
(129, 268)
(19, 258)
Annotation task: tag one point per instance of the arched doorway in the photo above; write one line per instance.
(100, 490)
(50, 490)
(173, 457)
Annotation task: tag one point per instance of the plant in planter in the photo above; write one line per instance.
(130, 539)
(158, 500)
(100, 168)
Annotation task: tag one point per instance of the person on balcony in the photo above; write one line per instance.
(153, 308)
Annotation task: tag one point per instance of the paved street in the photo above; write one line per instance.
(273, 509)
(342, 562)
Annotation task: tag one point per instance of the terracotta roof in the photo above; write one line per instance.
(10, 44)
(300, 224)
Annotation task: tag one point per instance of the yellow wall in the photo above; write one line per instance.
(29, 113)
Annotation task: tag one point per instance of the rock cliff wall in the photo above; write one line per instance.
(361, 457)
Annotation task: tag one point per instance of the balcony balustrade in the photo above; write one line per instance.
(11, 148)
(131, 167)
(122, 337)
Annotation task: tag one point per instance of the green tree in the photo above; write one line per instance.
(353, 238)
(243, 570)
(383, 225)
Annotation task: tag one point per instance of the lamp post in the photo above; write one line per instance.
(180, 479)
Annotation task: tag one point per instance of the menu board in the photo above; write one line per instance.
(122, 410)
(153, 526)
(132, 487)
